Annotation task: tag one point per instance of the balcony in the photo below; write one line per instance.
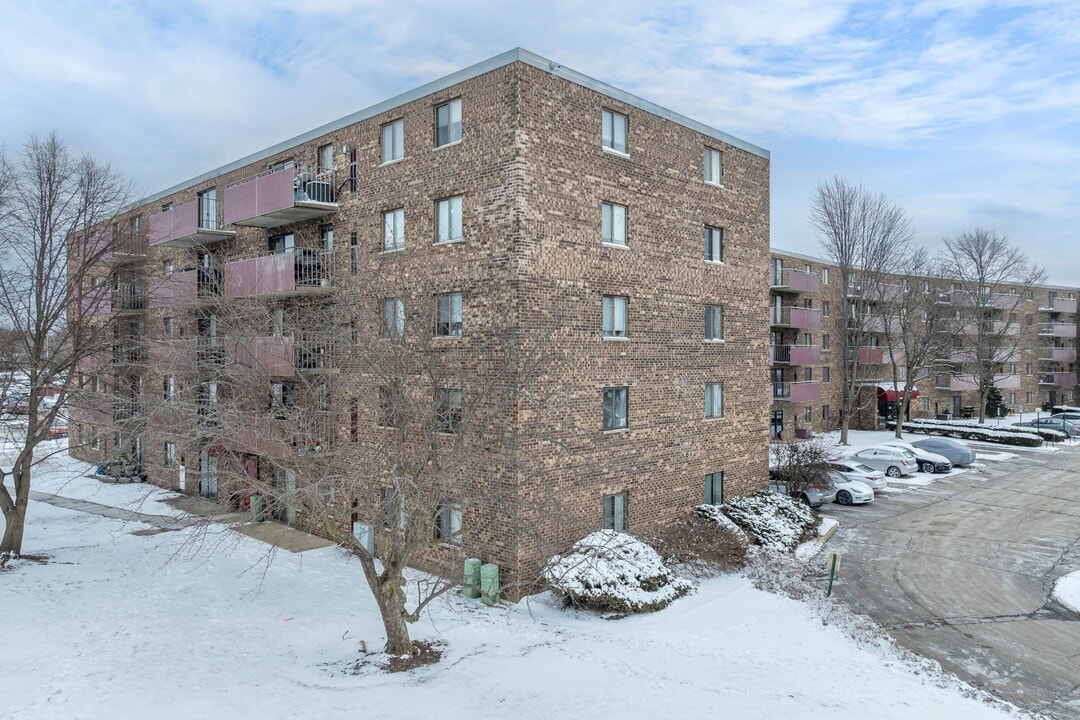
(954, 383)
(128, 354)
(871, 356)
(796, 317)
(172, 351)
(869, 323)
(796, 391)
(271, 356)
(286, 196)
(188, 225)
(1060, 330)
(112, 250)
(1061, 305)
(796, 355)
(209, 351)
(1007, 381)
(96, 300)
(1058, 379)
(178, 288)
(1057, 354)
(299, 272)
(127, 298)
(792, 280)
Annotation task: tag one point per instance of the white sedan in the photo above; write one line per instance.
(850, 492)
(892, 461)
(865, 474)
(929, 462)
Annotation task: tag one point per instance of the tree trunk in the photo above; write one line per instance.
(391, 601)
(15, 511)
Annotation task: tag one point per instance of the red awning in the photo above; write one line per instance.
(887, 393)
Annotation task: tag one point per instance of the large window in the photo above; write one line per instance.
(448, 123)
(170, 455)
(615, 407)
(393, 317)
(448, 220)
(615, 516)
(448, 522)
(393, 230)
(447, 410)
(169, 387)
(714, 400)
(714, 244)
(613, 224)
(448, 315)
(614, 131)
(714, 322)
(714, 488)
(390, 399)
(614, 313)
(714, 167)
(393, 141)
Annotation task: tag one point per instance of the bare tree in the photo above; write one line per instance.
(49, 199)
(802, 465)
(864, 235)
(989, 280)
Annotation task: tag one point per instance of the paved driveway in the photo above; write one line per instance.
(961, 571)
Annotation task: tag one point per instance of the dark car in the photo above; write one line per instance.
(958, 453)
(1069, 428)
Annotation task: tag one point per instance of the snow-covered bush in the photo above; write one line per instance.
(973, 431)
(775, 521)
(703, 543)
(612, 571)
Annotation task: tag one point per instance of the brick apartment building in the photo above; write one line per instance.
(1038, 363)
(514, 215)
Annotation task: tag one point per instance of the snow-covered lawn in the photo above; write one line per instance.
(1067, 591)
(191, 624)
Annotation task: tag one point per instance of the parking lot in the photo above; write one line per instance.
(961, 571)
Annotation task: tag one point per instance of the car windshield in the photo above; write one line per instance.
(864, 468)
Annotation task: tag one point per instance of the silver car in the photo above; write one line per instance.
(892, 461)
(957, 452)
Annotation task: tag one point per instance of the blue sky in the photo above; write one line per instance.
(966, 113)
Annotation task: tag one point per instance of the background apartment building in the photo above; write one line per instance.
(514, 252)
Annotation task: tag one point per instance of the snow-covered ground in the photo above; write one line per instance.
(1067, 591)
(192, 623)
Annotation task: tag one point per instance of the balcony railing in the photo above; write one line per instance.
(271, 356)
(795, 280)
(128, 354)
(1058, 379)
(188, 225)
(796, 317)
(796, 355)
(178, 288)
(1061, 330)
(1061, 305)
(127, 297)
(282, 196)
(301, 271)
(955, 383)
(796, 391)
(1057, 354)
(315, 352)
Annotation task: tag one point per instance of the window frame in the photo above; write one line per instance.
(448, 513)
(714, 244)
(713, 162)
(714, 323)
(710, 488)
(610, 130)
(392, 308)
(449, 408)
(448, 315)
(392, 138)
(610, 316)
(612, 225)
(714, 400)
(393, 230)
(615, 511)
(445, 134)
(446, 220)
(615, 402)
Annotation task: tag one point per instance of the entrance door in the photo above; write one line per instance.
(208, 476)
(776, 424)
(284, 489)
(957, 406)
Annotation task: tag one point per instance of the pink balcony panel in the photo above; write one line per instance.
(1058, 379)
(805, 391)
(180, 226)
(257, 435)
(871, 355)
(797, 281)
(271, 356)
(280, 198)
(1007, 382)
(805, 319)
(96, 300)
(174, 289)
(1061, 330)
(1056, 354)
(254, 277)
(805, 355)
(1061, 305)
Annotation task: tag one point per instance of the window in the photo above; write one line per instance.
(808, 374)
(354, 420)
(926, 403)
(393, 230)
(824, 412)
(393, 139)
(282, 244)
(170, 455)
(714, 244)
(170, 326)
(1027, 398)
(615, 511)
(613, 224)
(714, 488)
(1029, 319)
(354, 254)
(167, 267)
(390, 406)
(168, 387)
(393, 317)
(824, 276)
(1012, 398)
(825, 308)
(615, 316)
(448, 320)
(1029, 294)
(825, 341)
(448, 220)
(614, 131)
(825, 374)
(448, 522)
(448, 123)
(714, 400)
(1027, 368)
(392, 508)
(714, 322)
(352, 169)
(615, 407)
(714, 167)
(447, 410)
(808, 414)
(207, 207)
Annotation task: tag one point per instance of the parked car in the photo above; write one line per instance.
(1068, 427)
(850, 492)
(17, 404)
(58, 429)
(929, 462)
(865, 474)
(815, 496)
(1073, 417)
(892, 461)
(957, 452)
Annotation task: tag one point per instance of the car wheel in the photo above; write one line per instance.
(927, 467)
(893, 471)
(843, 497)
(805, 499)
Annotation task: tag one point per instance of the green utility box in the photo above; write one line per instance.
(257, 508)
(489, 583)
(471, 579)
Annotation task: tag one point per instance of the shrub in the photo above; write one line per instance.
(612, 571)
(973, 431)
(776, 522)
(704, 542)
